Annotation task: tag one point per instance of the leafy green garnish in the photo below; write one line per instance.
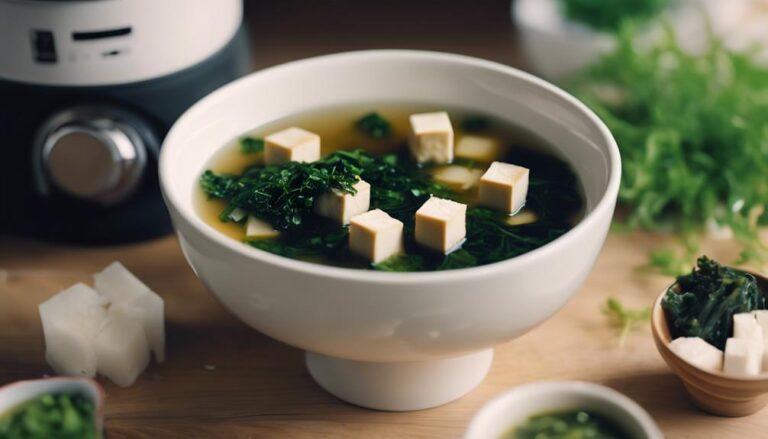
(625, 318)
(569, 424)
(610, 15)
(702, 303)
(692, 131)
(59, 415)
(251, 145)
(374, 125)
(403, 262)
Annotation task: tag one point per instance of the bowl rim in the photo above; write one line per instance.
(602, 208)
(618, 400)
(660, 330)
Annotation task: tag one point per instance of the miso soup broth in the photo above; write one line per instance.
(399, 186)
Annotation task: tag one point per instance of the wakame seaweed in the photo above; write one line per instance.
(284, 195)
(703, 302)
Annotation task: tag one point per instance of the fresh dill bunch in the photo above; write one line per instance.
(693, 135)
(610, 15)
(624, 318)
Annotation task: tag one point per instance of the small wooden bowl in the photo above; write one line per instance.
(713, 392)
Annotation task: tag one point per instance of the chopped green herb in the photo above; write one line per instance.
(692, 130)
(702, 303)
(626, 319)
(611, 15)
(374, 125)
(404, 262)
(251, 145)
(569, 424)
(58, 415)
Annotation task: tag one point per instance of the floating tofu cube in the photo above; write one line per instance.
(431, 137)
(375, 235)
(71, 319)
(743, 357)
(698, 352)
(441, 224)
(745, 326)
(291, 145)
(256, 228)
(148, 310)
(480, 148)
(504, 187)
(342, 206)
(458, 177)
(122, 352)
(132, 298)
(522, 217)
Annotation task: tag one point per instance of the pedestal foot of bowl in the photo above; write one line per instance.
(400, 386)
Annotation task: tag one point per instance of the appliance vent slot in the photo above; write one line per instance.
(99, 34)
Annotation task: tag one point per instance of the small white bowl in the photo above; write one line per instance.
(515, 406)
(392, 341)
(14, 394)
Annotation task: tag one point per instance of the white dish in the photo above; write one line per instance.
(14, 394)
(392, 341)
(515, 406)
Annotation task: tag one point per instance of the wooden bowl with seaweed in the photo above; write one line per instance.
(713, 391)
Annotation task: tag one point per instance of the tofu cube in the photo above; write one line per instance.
(375, 235)
(522, 217)
(149, 311)
(342, 206)
(71, 319)
(458, 177)
(743, 357)
(291, 145)
(698, 352)
(122, 352)
(118, 284)
(479, 148)
(431, 137)
(256, 228)
(745, 326)
(762, 320)
(504, 187)
(441, 224)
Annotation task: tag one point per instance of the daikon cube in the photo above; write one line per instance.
(762, 320)
(117, 284)
(291, 145)
(256, 228)
(149, 311)
(504, 187)
(71, 319)
(480, 148)
(698, 352)
(743, 357)
(431, 137)
(375, 235)
(458, 177)
(342, 206)
(441, 224)
(745, 326)
(122, 352)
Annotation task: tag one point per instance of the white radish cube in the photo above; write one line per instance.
(441, 224)
(149, 311)
(480, 148)
(256, 228)
(431, 137)
(504, 187)
(291, 145)
(698, 352)
(117, 284)
(524, 216)
(122, 352)
(745, 326)
(458, 177)
(743, 357)
(71, 319)
(342, 206)
(762, 320)
(375, 235)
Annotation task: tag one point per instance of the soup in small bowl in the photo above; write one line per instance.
(397, 305)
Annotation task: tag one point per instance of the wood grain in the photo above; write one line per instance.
(259, 388)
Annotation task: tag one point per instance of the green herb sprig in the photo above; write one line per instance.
(624, 318)
(374, 125)
(251, 145)
(610, 15)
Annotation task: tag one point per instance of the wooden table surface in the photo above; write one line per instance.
(222, 379)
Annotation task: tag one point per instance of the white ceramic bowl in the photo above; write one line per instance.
(518, 404)
(392, 341)
(17, 393)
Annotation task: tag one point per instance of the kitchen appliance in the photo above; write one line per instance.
(88, 89)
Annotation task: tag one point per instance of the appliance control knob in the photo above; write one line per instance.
(92, 154)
